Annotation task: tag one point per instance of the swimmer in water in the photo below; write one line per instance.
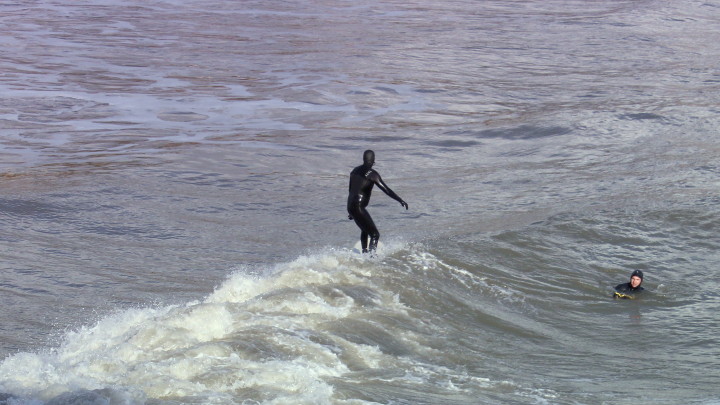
(362, 180)
(628, 290)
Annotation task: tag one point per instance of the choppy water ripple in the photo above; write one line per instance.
(546, 149)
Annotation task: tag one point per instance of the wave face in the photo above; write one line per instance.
(331, 327)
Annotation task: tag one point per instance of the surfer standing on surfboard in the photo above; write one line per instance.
(362, 180)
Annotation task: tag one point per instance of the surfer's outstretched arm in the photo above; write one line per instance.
(387, 190)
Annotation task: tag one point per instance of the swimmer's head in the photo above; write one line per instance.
(636, 278)
(369, 158)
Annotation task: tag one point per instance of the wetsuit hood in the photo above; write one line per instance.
(369, 158)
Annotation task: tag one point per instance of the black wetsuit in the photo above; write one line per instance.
(362, 180)
(626, 290)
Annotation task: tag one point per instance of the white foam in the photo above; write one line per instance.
(253, 333)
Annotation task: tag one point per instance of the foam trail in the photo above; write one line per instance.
(255, 336)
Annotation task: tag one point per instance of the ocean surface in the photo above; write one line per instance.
(173, 178)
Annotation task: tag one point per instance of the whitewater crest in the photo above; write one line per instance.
(267, 337)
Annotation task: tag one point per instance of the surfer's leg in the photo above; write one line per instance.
(374, 238)
(372, 232)
(365, 223)
(356, 213)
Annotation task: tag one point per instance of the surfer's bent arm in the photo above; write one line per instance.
(350, 217)
(387, 190)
